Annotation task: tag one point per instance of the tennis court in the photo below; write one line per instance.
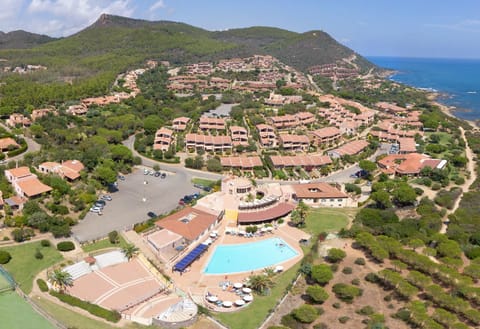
(17, 313)
(6, 281)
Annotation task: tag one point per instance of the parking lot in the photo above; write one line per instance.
(137, 195)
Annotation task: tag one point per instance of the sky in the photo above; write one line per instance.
(407, 28)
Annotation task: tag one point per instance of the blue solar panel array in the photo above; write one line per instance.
(190, 258)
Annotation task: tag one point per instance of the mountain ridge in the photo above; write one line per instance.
(20, 39)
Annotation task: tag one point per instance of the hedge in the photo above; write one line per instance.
(42, 285)
(4, 257)
(112, 316)
(18, 151)
(65, 246)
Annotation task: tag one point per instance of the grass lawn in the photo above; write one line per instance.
(103, 244)
(328, 219)
(17, 313)
(203, 181)
(24, 266)
(253, 315)
(74, 320)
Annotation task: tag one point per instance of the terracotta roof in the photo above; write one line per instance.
(181, 120)
(216, 140)
(188, 222)
(234, 129)
(326, 132)
(20, 172)
(6, 142)
(407, 145)
(408, 164)
(351, 148)
(289, 138)
(242, 161)
(315, 160)
(164, 132)
(75, 165)
(33, 186)
(317, 190)
(263, 126)
(280, 210)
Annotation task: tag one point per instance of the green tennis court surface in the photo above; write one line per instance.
(16, 313)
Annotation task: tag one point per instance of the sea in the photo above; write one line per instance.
(456, 80)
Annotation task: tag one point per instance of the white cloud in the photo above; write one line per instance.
(157, 5)
(8, 13)
(470, 25)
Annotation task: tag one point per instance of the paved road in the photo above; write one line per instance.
(136, 196)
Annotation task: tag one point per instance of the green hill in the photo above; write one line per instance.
(21, 39)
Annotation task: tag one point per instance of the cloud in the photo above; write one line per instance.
(468, 25)
(10, 10)
(63, 17)
(157, 5)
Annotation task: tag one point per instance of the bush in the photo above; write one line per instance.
(336, 305)
(322, 273)
(355, 282)
(372, 278)
(366, 310)
(305, 314)
(112, 316)
(346, 292)
(317, 294)
(45, 243)
(436, 186)
(336, 255)
(42, 285)
(5, 257)
(347, 270)
(321, 325)
(113, 237)
(343, 319)
(65, 246)
(38, 254)
(360, 261)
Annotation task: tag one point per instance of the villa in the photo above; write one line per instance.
(17, 119)
(68, 169)
(291, 142)
(268, 138)
(408, 164)
(321, 195)
(239, 135)
(242, 162)
(327, 135)
(25, 183)
(207, 123)
(350, 148)
(208, 143)
(163, 139)
(7, 144)
(39, 113)
(180, 124)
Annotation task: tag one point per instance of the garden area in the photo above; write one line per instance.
(17, 313)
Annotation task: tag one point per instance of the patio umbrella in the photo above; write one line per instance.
(279, 268)
(237, 285)
(212, 299)
(208, 241)
(269, 228)
(239, 302)
(248, 298)
(263, 229)
(247, 290)
(213, 235)
(227, 303)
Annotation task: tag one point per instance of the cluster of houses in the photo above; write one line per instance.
(21, 120)
(24, 69)
(199, 76)
(334, 71)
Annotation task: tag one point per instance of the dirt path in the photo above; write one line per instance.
(465, 186)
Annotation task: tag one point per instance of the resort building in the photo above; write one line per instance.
(208, 143)
(163, 139)
(280, 100)
(407, 145)
(17, 119)
(180, 124)
(39, 113)
(7, 144)
(305, 118)
(258, 215)
(325, 136)
(241, 162)
(284, 121)
(307, 162)
(268, 138)
(189, 223)
(69, 170)
(291, 142)
(350, 148)
(408, 164)
(236, 186)
(321, 195)
(25, 183)
(208, 123)
(239, 135)
(77, 110)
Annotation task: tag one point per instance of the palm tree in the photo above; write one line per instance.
(268, 271)
(130, 251)
(60, 280)
(299, 215)
(260, 283)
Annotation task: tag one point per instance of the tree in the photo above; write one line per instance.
(367, 165)
(113, 237)
(260, 283)
(382, 199)
(322, 273)
(336, 255)
(317, 294)
(121, 153)
(105, 174)
(130, 251)
(404, 195)
(305, 313)
(152, 123)
(299, 215)
(214, 165)
(346, 292)
(449, 248)
(60, 280)
(416, 243)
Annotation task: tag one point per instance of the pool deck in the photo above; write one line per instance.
(197, 284)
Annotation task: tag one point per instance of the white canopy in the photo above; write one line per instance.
(238, 285)
(227, 303)
(239, 302)
(212, 299)
(247, 290)
(248, 298)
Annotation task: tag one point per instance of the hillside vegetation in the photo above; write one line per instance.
(22, 39)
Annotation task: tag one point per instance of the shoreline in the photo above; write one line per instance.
(448, 110)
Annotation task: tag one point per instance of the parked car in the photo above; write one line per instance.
(163, 175)
(146, 171)
(121, 177)
(106, 197)
(95, 209)
(151, 214)
(157, 174)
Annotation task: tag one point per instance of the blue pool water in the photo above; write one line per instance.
(246, 257)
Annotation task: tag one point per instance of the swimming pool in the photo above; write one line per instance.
(246, 257)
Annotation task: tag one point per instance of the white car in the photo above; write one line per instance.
(95, 209)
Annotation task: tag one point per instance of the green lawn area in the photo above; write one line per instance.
(104, 244)
(24, 266)
(328, 219)
(74, 320)
(203, 181)
(253, 315)
(17, 313)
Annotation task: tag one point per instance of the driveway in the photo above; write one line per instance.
(136, 196)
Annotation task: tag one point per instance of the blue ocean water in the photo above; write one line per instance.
(458, 79)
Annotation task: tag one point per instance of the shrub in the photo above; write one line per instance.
(346, 292)
(65, 246)
(459, 181)
(355, 282)
(5, 257)
(372, 277)
(317, 294)
(38, 254)
(334, 267)
(343, 319)
(113, 237)
(322, 273)
(336, 305)
(305, 314)
(336, 255)
(289, 321)
(320, 325)
(366, 310)
(42, 285)
(436, 186)
(347, 270)
(45, 243)
(360, 261)
(112, 316)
